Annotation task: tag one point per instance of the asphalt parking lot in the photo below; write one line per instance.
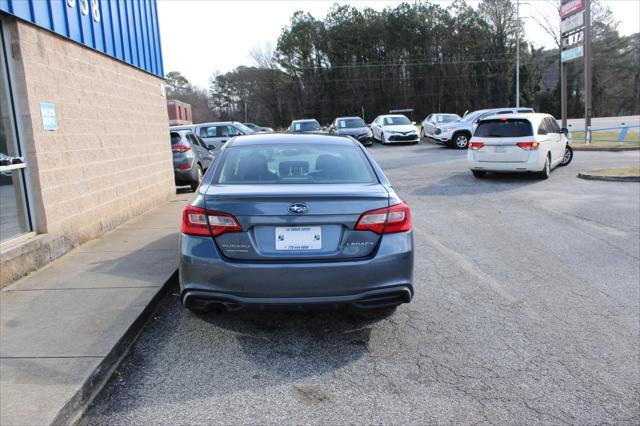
(526, 311)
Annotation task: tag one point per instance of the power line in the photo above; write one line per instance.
(395, 64)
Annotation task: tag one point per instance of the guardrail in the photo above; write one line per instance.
(621, 131)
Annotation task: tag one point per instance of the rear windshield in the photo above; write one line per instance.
(306, 126)
(504, 129)
(175, 138)
(294, 164)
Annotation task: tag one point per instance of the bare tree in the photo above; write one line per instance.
(264, 55)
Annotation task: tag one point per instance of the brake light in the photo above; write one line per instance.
(475, 145)
(180, 148)
(528, 146)
(184, 166)
(396, 218)
(207, 223)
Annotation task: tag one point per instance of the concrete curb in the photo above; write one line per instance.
(587, 176)
(71, 413)
(613, 149)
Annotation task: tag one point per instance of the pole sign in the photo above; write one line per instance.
(572, 22)
(572, 39)
(569, 7)
(572, 54)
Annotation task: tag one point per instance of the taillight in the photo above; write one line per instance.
(392, 219)
(180, 148)
(475, 145)
(528, 146)
(184, 166)
(208, 223)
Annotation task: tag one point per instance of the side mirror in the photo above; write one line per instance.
(211, 147)
(564, 130)
(413, 122)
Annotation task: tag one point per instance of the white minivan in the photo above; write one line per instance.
(518, 143)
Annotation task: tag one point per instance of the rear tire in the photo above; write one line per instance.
(479, 173)
(197, 179)
(546, 170)
(567, 157)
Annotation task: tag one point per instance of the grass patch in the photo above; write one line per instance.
(606, 139)
(616, 171)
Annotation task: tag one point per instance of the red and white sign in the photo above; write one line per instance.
(570, 7)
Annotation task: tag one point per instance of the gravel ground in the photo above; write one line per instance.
(526, 311)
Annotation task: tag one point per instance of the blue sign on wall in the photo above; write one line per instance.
(48, 113)
(124, 29)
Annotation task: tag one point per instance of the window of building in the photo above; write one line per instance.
(14, 214)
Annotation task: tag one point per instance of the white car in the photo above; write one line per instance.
(517, 143)
(394, 128)
(429, 124)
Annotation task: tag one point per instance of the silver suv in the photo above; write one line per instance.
(458, 133)
(216, 134)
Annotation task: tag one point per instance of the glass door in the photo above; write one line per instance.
(14, 211)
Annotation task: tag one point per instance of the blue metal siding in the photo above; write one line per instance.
(124, 29)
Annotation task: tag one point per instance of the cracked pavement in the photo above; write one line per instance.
(526, 311)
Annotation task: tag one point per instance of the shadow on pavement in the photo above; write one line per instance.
(464, 183)
(299, 344)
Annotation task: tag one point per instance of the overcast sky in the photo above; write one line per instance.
(199, 36)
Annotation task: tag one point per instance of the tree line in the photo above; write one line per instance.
(419, 56)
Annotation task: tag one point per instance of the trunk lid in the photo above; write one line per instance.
(271, 231)
(501, 150)
(501, 138)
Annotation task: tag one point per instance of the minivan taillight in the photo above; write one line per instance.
(528, 146)
(180, 148)
(396, 218)
(475, 145)
(207, 223)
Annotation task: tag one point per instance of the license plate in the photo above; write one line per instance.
(500, 149)
(299, 238)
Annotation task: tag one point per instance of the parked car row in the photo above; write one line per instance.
(385, 128)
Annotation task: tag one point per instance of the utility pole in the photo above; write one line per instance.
(587, 71)
(517, 53)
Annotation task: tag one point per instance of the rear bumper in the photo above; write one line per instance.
(372, 299)
(535, 163)
(206, 277)
(183, 175)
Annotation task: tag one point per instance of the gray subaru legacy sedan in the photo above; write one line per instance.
(294, 221)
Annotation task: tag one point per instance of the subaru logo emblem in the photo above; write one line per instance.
(298, 208)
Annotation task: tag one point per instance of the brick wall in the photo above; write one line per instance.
(110, 158)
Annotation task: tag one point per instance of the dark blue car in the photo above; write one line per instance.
(294, 221)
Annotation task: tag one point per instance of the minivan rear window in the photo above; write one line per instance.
(514, 128)
(294, 164)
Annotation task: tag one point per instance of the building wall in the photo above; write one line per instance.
(110, 158)
(179, 113)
